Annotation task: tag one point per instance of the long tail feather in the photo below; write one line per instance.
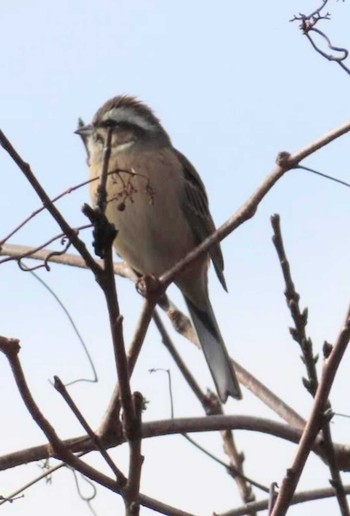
(215, 351)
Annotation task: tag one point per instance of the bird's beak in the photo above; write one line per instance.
(84, 130)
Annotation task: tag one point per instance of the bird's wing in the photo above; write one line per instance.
(196, 207)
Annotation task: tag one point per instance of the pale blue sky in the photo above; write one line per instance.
(234, 84)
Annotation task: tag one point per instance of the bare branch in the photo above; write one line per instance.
(33, 250)
(315, 422)
(211, 406)
(299, 335)
(42, 208)
(57, 447)
(179, 361)
(299, 317)
(307, 26)
(73, 260)
(302, 497)
(268, 397)
(132, 487)
(181, 425)
(10, 347)
(109, 425)
(66, 228)
(285, 162)
(59, 386)
(170, 427)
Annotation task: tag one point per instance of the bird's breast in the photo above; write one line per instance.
(144, 196)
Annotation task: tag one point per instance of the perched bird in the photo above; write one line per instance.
(159, 206)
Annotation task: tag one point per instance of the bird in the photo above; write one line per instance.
(159, 206)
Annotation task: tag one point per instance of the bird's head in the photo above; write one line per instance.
(131, 123)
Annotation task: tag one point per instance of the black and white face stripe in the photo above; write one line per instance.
(130, 117)
(126, 113)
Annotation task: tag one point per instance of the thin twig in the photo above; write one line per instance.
(211, 406)
(180, 323)
(170, 387)
(231, 470)
(28, 251)
(57, 447)
(300, 317)
(32, 482)
(60, 387)
(85, 498)
(73, 260)
(269, 398)
(321, 174)
(301, 497)
(10, 347)
(308, 24)
(63, 194)
(76, 331)
(42, 208)
(66, 228)
(201, 396)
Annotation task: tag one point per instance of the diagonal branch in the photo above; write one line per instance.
(10, 347)
(180, 323)
(211, 406)
(301, 497)
(57, 447)
(315, 422)
(285, 162)
(59, 386)
(56, 214)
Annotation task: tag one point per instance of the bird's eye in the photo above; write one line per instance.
(98, 138)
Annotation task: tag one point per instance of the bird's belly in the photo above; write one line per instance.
(152, 231)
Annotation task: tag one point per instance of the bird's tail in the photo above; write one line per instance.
(215, 351)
